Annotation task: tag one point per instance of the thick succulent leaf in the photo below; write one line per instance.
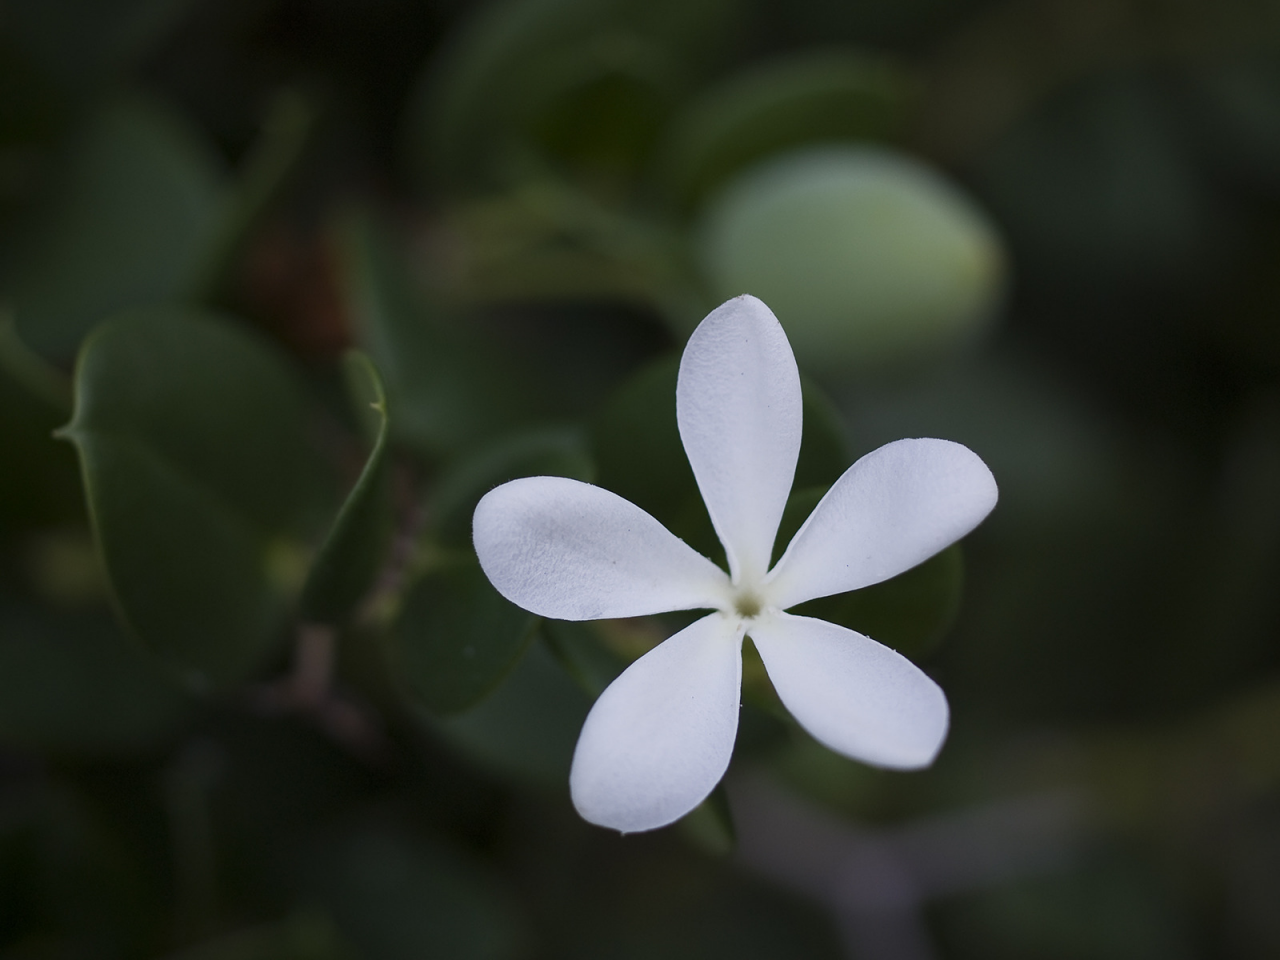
(448, 392)
(395, 894)
(307, 935)
(131, 220)
(565, 79)
(77, 42)
(357, 543)
(636, 445)
(525, 731)
(38, 482)
(74, 685)
(456, 639)
(777, 106)
(201, 484)
(709, 826)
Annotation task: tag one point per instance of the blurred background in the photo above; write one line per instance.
(1047, 229)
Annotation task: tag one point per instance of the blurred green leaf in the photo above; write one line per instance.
(456, 638)
(824, 451)
(1237, 106)
(130, 221)
(709, 825)
(799, 505)
(584, 80)
(355, 548)
(552, 242)
(84, 887)
(34, 111)
(540, 453)
(201, 484)
(38, 483)
(582, 653)
(1099, 190)
(75, 686)
(77, 41)
(397, 896)
(807, 98)
(868, 256)
(527, 728)
(912, 612)
(637, 447)
(1131, 916)
(302, 936)
(446, 391)
(286, 131)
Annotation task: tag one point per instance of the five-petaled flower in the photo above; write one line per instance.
(660, 737)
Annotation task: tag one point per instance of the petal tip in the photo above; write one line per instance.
(629, 813)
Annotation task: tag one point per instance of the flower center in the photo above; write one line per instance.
(747, 605)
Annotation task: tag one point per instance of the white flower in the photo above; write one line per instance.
(660, 737)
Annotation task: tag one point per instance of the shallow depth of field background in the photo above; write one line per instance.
(1047, 229)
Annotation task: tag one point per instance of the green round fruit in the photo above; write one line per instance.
(868, 257)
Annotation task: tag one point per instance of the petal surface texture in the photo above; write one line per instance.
(893, 509)
(660, 737)
(852, 694)
(738, 405)
(569, 550)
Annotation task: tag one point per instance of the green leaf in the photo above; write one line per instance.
(1132, 913)
(567, 79)
(302, 936)
(446, 390)
(262, 177)
(74, 685)
(456, 638)
(799, 505)
(87, 880)
(802, 99)
(527, 728)
(201, 484)
(396, 895)
(549, 452)
(911, 612)
(38, 483)
(77, 41)
(637, 445)
(130, 221)
(357, 543)
(868, 256)
(709, 825)
(583, 654)
(824, 451)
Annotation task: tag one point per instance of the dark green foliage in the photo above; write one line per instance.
(456, 638)
(810, 98)
(202, 486)
(356, 546)
(130, 220)
(301, 282)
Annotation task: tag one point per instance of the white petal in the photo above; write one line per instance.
(660, 737)
(738, 406)
(856, 696)
(566, 549)
(893, 509)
